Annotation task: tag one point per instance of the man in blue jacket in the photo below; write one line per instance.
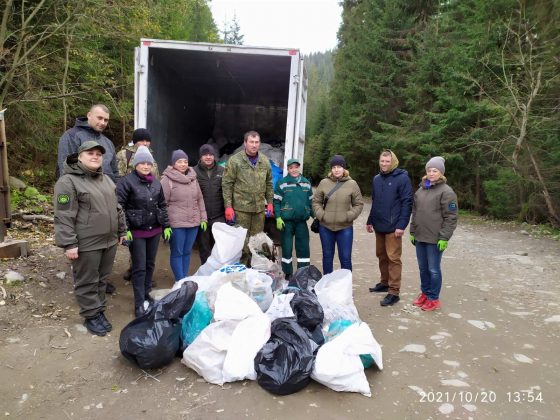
(389, 215)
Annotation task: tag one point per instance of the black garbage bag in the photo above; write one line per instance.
(305, 278)
(285, 362)
(307, 309)
(316, 335)
(151, 341)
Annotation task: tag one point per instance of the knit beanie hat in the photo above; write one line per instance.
(207, 149)
(141, 134)
(142, 155)
(437, 162)
(338, 160)
(176, 155)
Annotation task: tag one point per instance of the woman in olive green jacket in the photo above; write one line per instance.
(337, 203)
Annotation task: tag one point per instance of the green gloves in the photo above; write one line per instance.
(442, 245)
(280, 223)
(204, 225)
(412, 239)
(167, 233)
(129, 236)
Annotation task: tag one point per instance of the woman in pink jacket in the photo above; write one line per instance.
(186, 211)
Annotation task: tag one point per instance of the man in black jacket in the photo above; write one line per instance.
(85, 129)
(209, 176)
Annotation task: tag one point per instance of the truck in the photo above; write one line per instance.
(191, 93)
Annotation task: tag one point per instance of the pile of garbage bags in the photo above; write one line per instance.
(310, 330)
(236, 323)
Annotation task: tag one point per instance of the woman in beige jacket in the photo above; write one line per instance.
(337, 203)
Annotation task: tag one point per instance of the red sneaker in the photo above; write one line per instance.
(431, 305)
(420, 300)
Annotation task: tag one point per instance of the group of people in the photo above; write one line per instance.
(103, 199)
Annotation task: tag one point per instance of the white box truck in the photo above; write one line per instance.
(189, 93)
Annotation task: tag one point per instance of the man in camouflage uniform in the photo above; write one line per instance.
(125, 157)
(247, 189)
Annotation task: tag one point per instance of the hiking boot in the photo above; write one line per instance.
(106, 322)
(420, 300)
(431, 305)
(379, 288)
(390, 300)
(95, 325)
(110, 289)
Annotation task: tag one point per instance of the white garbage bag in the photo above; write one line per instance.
(226, 250)
(225, 350)
(232, 303)
(208, 284)
(256, 244)
(280, 307)
(334, 292)
(207, 353)
(338, 364)
(248, 338)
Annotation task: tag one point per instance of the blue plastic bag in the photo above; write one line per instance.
(196, 319)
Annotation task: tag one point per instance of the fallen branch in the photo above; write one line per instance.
(147, 375)
(69, 353)
(33, 217)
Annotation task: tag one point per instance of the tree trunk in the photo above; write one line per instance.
(553, 216)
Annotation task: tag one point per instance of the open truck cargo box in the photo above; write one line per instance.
(187, 94)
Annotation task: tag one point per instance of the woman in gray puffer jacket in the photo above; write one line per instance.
(186, 210)
(434, 219)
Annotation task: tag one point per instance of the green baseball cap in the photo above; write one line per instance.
(292, 161)
(89, 145)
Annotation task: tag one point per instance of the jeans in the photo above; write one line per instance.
(181, 243)
(343, 240)
(429, 263)
(143, 252)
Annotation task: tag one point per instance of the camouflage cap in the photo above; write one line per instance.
(89, 145)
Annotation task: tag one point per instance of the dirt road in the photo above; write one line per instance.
(491, 352)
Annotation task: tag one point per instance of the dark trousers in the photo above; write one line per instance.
(429, 264)
(388, 249)
(300, 231)
(343, 241)
(144, 252)
(206, 239)
(91, 270)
